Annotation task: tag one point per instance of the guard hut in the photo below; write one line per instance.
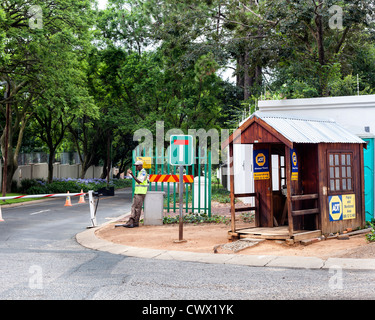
(318, 168)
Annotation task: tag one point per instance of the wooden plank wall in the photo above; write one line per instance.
(324, 191)
(307, 184)
(264, 188)
(256, 132)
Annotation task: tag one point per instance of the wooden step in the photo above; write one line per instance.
(307, 235)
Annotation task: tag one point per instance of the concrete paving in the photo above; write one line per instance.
(89, 240)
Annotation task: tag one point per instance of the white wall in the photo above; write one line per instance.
(353, 112)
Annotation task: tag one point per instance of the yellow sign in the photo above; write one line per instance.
(260, 159)
(341, 207)
(348, 204)
(147, 161)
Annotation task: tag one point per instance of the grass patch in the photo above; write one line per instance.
(12, 201)
(195, 218)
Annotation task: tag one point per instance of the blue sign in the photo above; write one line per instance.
(335, 208)
(261, 165)
(294, 160)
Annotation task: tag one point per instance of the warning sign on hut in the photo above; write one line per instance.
(294, 160)
(261, 165)
(342, 207)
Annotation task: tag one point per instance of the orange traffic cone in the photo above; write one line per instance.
(82, 198)
(68, 203)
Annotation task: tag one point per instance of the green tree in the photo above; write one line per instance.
(36, 40)
(171, 82)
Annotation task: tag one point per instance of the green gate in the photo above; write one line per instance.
(202, 165)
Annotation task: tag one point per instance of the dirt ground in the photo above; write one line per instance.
(204, 237)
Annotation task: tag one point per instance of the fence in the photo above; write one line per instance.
(42, 157)
(202, 164)
(60, 171)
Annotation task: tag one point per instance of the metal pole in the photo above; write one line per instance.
(181, 186)
(92, 209)
(209, 184)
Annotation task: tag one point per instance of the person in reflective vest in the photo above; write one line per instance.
(140, 191)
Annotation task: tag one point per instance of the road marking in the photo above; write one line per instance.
(31, 214)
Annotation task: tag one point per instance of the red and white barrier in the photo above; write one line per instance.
(44, 195)
(53, 195)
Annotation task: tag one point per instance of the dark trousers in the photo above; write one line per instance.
(136, 208)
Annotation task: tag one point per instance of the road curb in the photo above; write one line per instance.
(88, 239)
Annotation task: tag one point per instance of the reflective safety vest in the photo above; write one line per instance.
(141, 188)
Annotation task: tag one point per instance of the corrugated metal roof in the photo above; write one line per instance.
(303, 130)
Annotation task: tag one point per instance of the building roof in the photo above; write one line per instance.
(297, 129)
(304, 130)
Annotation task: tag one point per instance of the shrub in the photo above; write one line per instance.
(371, 236)
(63, 187)
(33, 186)
(14, 187)
(37, 190)
(26, 184)
(196, 218)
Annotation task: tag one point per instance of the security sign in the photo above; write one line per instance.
(342, 207)
(294, 160)
(348, 203)
(147, 162)
(335, 208)
(260, 159)
(261, 165)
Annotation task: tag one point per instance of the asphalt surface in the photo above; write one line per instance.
(41, 259)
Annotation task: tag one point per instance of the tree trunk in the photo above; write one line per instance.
(12, 165)
(248, 75)
(321, 51)
(247, 79)
(51, 157)
(104, 172)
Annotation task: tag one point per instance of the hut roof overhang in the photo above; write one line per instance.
(291, 129)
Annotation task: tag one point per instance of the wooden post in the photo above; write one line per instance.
(289, 191)
(231, 179)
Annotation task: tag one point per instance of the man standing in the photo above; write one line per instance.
(140, 191)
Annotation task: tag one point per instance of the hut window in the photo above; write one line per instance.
(340, 171)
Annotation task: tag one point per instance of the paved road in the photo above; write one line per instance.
(40, 259)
